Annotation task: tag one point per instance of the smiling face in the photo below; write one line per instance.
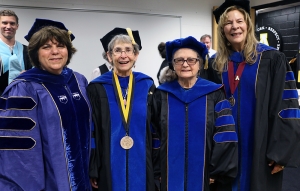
(9, 27)
(186, 71)
(235, 30)
(53, 56)
(123, 58)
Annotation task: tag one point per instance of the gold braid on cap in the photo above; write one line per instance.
(69, 33)
(206, 62)
(129, 32)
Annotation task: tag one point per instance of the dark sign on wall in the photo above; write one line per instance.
(269, 36)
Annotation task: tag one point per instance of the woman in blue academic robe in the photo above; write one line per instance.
(194, 123)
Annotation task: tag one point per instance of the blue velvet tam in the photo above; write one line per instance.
(244, 4)
(188, 42)
(40, 23)
(105, 40)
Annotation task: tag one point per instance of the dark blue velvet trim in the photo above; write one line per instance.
(17, 103)
(41, 76)
(244, 120)
(71, 104)
(228, 136)
(137, 130)
(191, 94)
(155, 143)
(93, 143)
(290, 113)
(16, 143)
(186, 144)
(16, 123)
(224, 104)
(106, 78)
(224, 120)
(289, 76)
(290, 94)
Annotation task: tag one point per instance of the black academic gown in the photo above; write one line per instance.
(267, 119)
(197, 134)
(115, 168)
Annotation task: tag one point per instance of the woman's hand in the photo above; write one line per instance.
(277, 168)
(94, 182)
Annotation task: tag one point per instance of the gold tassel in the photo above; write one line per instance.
(70, 32)
(129, 32)
(206, 62)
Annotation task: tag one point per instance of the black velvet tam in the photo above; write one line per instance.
(244, 4)
(116, 31)
(40, 23)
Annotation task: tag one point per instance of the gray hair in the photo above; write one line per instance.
(123, 39)
(204, 36)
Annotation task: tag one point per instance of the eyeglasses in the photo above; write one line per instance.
(189, 61)
(127, 51)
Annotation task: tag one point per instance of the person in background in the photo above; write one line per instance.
(45, 118)
(261, 88)
(13, 55)
(106, 67)
(194, 123)
(206, 39)
(162, 51)
(121, 102)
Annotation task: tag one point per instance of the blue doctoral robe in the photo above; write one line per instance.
(45, 124)
(197, 134)
(267, 119)
(115, 168)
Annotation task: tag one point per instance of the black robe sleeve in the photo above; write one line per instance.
(224, 156)
(95, 92)
(26, 59)
(284, 124)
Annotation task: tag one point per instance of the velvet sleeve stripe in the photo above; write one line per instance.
(16, 123)
(17, 103)
(290, 94)
(93, 143)
(16, 143)
(226, 136)
(224, 120)
(292, 113)
(224, 104)
(289, 76)
(155, 143)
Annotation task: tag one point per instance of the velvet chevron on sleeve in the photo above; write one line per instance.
(195, 128)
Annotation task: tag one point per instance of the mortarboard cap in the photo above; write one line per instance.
(188, 42)
(116, 31)
(40, 23)
(244, 4)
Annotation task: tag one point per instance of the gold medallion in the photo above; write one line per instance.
(126, 142)
(231, 101)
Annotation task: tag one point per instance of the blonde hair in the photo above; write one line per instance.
(224, 50)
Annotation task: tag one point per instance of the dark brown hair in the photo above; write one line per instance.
(42, 36)
(162, 49)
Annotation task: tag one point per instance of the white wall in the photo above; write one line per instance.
(196, 19)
